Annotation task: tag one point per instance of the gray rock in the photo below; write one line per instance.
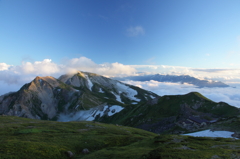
(85, 151)
(70, 154)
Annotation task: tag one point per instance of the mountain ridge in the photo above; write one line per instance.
(175, 79)
(91, 97)
(168, 113)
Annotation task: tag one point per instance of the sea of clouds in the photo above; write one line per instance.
(12, 78)
(229, 95)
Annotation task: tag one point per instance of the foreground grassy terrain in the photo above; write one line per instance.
(26, 139)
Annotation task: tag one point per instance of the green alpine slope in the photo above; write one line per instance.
(167, 113)
(23, 138)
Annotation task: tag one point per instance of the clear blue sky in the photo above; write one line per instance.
(190, 33)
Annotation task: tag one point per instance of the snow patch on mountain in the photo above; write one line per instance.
(76, 106)
(129, 91)
(90, 84)
(118, 98)
(114, 109)
(152, 96)
(101, 91)
(90, 115)
(209, 133)
(96, 112)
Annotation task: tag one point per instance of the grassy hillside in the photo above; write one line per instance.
(23, 138)
(162, 114)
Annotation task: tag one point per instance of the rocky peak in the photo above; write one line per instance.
(41, 83)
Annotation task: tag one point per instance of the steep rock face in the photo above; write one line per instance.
(37, 99)
(47, 97)
(111, 89)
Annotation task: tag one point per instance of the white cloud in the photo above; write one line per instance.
(27, 71)
(135, 31)
(107, 69)
(45, 67)
(4, 66)
(229, 95)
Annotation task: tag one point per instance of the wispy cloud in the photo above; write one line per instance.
(214, 70)
(151, 61)
(103, 17)
(135, 31)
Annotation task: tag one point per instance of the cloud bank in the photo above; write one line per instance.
(13, 77)
(224, 75)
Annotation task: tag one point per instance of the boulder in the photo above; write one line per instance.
(85, 151)
(70, 154)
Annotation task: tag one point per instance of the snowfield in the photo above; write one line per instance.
(130, 92)
(209, 133)
(90, 84)
(101, 91)
(118, 98)
(152, 96)
(114, 109)
(90, 115)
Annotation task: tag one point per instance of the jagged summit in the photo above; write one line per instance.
(48, 97)
(41, 81)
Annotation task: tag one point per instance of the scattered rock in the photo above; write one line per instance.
(215, 157)
(236, 135)
(70, 154)
(85, 151)
(113, 111)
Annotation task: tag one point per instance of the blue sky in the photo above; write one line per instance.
(188, 33)
(200, 38)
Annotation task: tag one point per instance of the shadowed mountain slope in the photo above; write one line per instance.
(167, 114)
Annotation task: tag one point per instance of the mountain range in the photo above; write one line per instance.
(175, 79)
(90, 97)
